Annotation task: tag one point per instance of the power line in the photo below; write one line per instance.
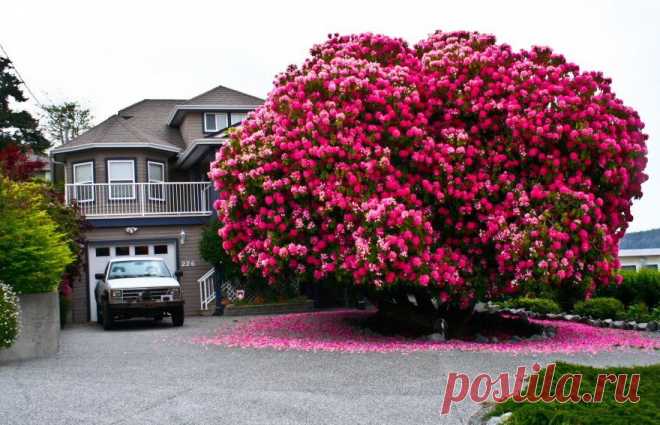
(20, 77)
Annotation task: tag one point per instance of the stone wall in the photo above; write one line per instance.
(40, 328)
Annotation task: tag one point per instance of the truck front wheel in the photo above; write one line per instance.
(108, 323)
(177, 317)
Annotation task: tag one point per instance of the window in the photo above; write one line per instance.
(214, 121)
(237, 117)
(103, 252)
(138, 268)
(651, 266)
(83, 178)
(160, 249)
(141, 250)
(121, 250)
(156, 176)
(630, 268)
(121, 175)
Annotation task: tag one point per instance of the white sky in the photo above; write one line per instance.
(109, 54)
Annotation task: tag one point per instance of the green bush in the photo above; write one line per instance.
(538, 305)
(637, 287)
(210, 248)
(34, 253)
(9, 316)
(607, 412)
(600, 308)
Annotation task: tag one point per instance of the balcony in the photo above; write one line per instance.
(115, 200)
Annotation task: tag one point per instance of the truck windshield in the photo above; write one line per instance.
(138, 268)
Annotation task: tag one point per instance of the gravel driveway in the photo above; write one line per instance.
(148, 373)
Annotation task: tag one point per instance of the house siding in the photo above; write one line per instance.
(191, 127)
(188, 253)
(640, 261)
(101, 156)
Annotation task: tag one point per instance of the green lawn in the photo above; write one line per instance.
(607, 412)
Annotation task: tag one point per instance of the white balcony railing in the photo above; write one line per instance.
(206, 289)
(98, 200)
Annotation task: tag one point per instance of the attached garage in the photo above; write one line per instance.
(99, 253)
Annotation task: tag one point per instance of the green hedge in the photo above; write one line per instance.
(9, 316)
(538, 305)
(600, 308)
(34, 253)
(637, 287)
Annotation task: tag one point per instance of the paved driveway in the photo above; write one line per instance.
(146, 373)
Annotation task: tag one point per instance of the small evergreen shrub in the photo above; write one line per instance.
(537, 305)
(9, 316)
(600, 308)
(637, 287)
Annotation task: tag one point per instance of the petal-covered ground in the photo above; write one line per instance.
(335, 331)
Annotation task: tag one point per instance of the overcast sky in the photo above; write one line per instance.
(108, 55)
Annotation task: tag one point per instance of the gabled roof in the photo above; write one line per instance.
(649, 239)
(217, 99)
(222, 95)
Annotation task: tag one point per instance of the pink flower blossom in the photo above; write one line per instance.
(333, 331)
(459, 164)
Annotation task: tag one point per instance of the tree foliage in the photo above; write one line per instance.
(17, 127)
(17, 165)
(67, 121)
(211, 250)
(34, 252)
(458, 167)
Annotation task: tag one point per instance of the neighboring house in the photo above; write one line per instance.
(640, 250)
(43, 172)
(140, 179)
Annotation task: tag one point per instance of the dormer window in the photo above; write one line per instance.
(237, 117)
(215, 121)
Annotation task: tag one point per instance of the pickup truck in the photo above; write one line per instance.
(132, 287)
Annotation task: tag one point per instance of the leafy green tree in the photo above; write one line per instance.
(66, 121)
(17, 127)
(34, 253)
(212, 252)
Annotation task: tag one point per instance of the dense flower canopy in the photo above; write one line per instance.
(459, 165)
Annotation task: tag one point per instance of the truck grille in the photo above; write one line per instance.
(141, 295)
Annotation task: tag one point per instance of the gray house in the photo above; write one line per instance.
(139, 178)
(640, 250)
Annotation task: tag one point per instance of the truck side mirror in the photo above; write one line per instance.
(178, 274)
(100, 276)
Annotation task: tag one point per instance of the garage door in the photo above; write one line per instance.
(99, 254)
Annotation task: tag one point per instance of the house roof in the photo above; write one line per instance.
(222, 95)
(149, 122)
(219, 98)
(649, 239)
(139, 125)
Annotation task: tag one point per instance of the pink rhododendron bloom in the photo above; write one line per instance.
(458, 164)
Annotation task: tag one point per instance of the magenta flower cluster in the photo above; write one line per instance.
(459, 165)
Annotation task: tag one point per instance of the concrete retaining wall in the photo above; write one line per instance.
(40, 328)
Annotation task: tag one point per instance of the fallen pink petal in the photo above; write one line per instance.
(332, 331)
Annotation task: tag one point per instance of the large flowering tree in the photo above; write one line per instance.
(458, 167)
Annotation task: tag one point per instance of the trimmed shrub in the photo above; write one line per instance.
(537, 305)
(637, 287)
(34, 253)
(600, 308)
(9, 316)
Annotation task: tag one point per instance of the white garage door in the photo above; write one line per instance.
(99, 254)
